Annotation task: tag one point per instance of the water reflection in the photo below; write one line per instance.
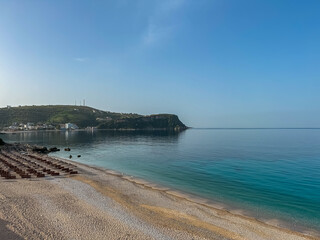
(69, 138)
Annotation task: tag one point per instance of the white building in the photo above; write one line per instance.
(71, 126)
(29, 126)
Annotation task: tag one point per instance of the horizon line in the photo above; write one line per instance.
(253, 128)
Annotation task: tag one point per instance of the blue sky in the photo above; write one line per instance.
(215, 63)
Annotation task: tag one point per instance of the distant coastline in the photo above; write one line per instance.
(95, 130)
(66, 117)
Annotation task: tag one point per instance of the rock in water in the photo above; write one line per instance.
(40, 149)
(54, 149)
(2, 142)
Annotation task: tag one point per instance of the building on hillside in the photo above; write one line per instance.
(29, 126)
(71, 126)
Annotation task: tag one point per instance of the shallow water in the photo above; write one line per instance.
(272, 173)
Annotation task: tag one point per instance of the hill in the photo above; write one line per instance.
(84, 116)
(157, 122)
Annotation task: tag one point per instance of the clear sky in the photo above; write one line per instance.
(215, 63)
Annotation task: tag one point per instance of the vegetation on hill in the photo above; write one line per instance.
(57, 114)
(153, 122)
(84, 116)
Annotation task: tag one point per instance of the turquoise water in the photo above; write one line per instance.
(271, 173)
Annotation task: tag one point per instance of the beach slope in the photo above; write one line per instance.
(100, 204)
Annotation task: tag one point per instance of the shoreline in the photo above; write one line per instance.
(193, 198)
(96, 130)
(104, 204)
(98, 203)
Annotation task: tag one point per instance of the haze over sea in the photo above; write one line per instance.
(269, 173)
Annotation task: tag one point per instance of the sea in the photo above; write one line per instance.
(269, 174)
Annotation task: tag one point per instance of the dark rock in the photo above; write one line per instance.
(54, 149)
(2, 142)
(40, 149)
(67, 149)
(79, 156)
(70, 156)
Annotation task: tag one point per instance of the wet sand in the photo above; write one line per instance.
(101, 204)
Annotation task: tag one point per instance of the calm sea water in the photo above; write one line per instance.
(272, 173)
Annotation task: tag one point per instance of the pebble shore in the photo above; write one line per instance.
(100, 204)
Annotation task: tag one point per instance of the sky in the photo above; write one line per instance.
(214, 63)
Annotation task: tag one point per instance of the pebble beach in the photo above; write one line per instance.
(101, 204)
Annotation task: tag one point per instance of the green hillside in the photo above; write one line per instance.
(160, 122)
(85, 116)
